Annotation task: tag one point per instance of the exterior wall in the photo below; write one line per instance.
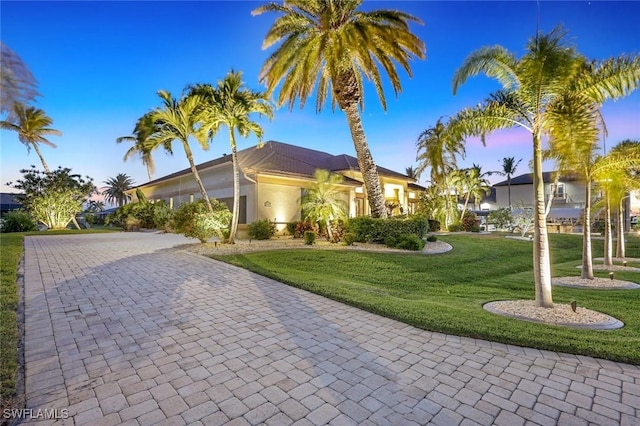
(522, 195)
(278, 199)
(218, 181)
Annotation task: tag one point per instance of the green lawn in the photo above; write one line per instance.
(11, 248)
(445, 292)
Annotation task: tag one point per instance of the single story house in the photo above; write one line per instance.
(273, 179)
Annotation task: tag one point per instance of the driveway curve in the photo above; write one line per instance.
(124, 328)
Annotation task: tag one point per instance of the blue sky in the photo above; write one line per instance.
(100, 64)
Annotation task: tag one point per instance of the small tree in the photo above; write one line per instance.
(54, 198)
(323, 203)
(501, 218)
(523, 219)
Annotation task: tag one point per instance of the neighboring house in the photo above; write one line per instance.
(8, 202)
(273, 179)
(568, 198)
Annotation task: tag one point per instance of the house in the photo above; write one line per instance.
(273, 179)
(8, 202)
(568, 197)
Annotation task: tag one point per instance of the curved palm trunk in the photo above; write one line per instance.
(233, 226)
(587, 262)
(541, 257)
(196, 176)
(365, 162)
(608, 236)
(620, 247)
(44, 164)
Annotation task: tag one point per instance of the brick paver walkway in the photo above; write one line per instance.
(122, 329)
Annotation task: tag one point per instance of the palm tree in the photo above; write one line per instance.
(616, 174)
(230, 105)
(179, 120)
(31, 125)
(17, 84)
(144, 128)
(437, 148)
(116, 189)
(535, 86)
(471, 184)
(323, 202)
(509, 166)
(412, 173)
(327, 47)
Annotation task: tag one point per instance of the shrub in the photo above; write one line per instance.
(193, 220)
(302, 227)
(368, 229)
(291, 228)
(470, 222)
(455, 227)
(391, 241)
(410, 242)
(131, 223)
(434, 225)
(432, 238)
(17, 221)
(262, 229)
(337, 230)
(309, 237)
(349, 238)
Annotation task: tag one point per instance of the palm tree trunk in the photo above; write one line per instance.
(509, 189)
(541, 257)
(44, 164)
(620, 247)
(365, 162)
(587, 262)
(466, 203)
(196, 176)
(608, 236)
(233, 227)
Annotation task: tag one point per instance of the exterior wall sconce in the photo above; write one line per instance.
(267, 204)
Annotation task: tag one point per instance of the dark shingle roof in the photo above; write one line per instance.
(282, 158)
(527, 179)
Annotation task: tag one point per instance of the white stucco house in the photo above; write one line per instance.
(272, 180)
(568, 198)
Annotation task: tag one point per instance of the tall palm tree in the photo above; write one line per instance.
(116, 189)
(17, 84)
(509, 166)
(144, 128)
(327, 47)
(437, 148)
(534, 86)
(32, 124)
(230, 104)
(179, 120)
(323, 202)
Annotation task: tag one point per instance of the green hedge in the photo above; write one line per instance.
(368, 229)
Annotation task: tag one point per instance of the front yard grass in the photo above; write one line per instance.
(445, 293)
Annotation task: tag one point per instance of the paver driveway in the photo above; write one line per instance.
(123, 329)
